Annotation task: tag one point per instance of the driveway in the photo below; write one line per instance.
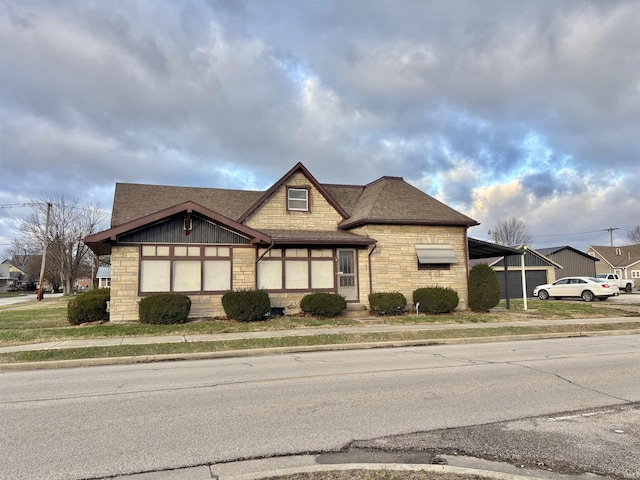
(31, 297)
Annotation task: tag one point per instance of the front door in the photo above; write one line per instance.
(347, 279)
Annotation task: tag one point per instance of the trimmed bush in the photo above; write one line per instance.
(89, 306)
(246, 305)
(323, 305)
(164, 309)
(387, 303)
(436, 299)
(484, 288)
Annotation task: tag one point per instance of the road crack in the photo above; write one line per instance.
(570, 382)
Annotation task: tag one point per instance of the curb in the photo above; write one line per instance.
(380, 466)
(90, 362)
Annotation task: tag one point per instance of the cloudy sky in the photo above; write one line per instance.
(526, 109)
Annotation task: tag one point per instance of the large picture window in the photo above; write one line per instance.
(297, 269)
(185, 269)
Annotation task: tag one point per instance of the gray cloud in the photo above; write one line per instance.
(232, 94)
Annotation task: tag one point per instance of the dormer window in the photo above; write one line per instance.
(298, 199)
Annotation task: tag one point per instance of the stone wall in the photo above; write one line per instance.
(124, 284)
(394, 263)
(273, 213)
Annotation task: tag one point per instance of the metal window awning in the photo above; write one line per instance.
(436, 254)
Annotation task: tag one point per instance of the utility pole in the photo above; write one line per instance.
(610, 230)
(44, 253)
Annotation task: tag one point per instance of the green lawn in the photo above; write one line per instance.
(46, 321)
(313, 340)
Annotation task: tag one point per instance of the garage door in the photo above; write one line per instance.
(534, 277)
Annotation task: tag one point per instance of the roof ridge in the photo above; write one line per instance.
(375, 195)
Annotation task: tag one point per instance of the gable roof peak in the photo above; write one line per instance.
(298, 167)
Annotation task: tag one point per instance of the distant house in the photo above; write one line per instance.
(574, 262)
(297, 237)
(623, 261)
(82, 283)
(538, 270)
(104, 276)
(12, 277)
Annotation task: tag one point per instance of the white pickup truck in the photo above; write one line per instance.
(624, 284)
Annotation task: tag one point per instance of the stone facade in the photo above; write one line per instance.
(125, 264)
(273, 213)
(394, 265)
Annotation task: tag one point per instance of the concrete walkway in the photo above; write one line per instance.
(217, 337)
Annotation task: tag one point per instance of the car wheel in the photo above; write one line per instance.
(628, 288)
(587, 296)
(543, 295)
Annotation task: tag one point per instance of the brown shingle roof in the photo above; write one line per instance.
(392, 200)
(629, 254)
(387, 200)
(132, 200)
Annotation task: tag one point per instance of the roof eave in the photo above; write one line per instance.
(98, 241)
(344, 242)
(345, 224)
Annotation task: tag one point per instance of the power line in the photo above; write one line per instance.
(32, 204)
(567, 234)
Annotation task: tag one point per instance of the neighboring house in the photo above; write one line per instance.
(574, 262)
(299, 236)
(623, 261)
(538, 270)
(7, 282)
(104, 276)
(12, 277)
(82, 283)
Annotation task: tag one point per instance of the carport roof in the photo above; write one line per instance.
(480, 249)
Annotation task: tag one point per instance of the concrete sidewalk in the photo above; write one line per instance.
(217, 337)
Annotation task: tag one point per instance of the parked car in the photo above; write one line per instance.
(587, 288)
(624, 284)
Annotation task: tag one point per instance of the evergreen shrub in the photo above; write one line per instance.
(387, 303)
(436, 299)
(164, 309)
(246, 305)
(89, 306)
(323, 305)
(484, 288)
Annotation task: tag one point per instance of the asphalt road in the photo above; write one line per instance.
(31, 297)
(102, 421)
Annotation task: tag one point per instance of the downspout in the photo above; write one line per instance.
(375, 245)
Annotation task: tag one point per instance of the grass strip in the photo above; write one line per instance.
(313, 340)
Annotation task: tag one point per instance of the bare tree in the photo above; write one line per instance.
(69, 223)
(634, 235)
(511, 231)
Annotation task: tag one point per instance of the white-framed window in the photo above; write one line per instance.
(185, 269)
(298, 199)
(635, 273)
